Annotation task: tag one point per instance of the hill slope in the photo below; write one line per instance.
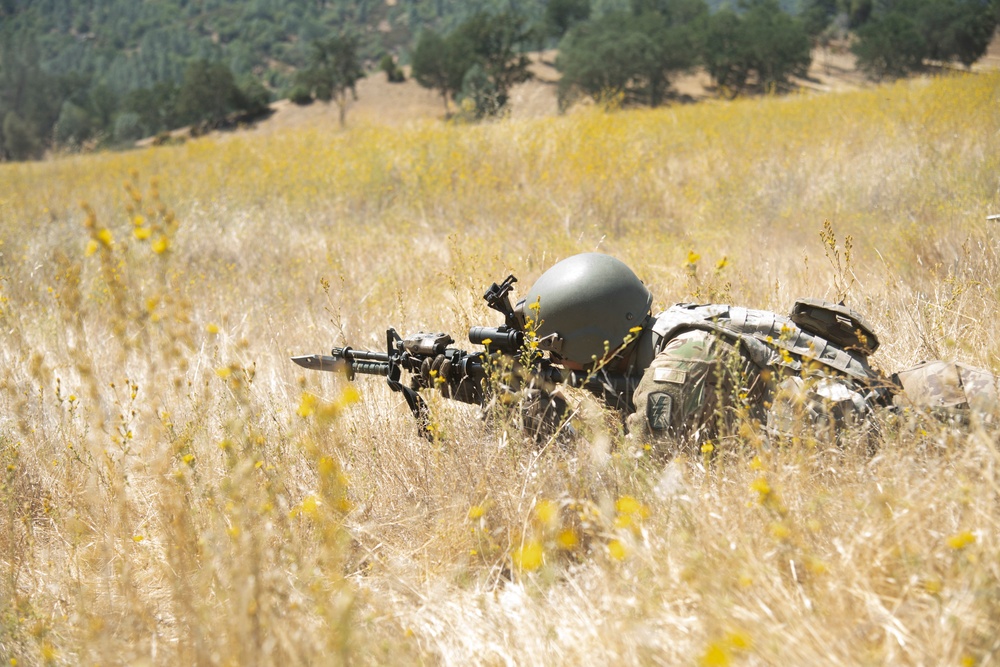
(382, 103)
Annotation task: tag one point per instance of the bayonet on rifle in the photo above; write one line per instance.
(321, 362)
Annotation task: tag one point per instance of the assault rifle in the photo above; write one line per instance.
(465, 371)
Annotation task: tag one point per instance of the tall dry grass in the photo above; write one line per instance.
(176, 491)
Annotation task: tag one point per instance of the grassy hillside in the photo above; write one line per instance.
(176, 491)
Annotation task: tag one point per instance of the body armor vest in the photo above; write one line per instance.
(770, 340)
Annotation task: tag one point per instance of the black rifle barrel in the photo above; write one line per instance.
(352, 355)
(362, 361)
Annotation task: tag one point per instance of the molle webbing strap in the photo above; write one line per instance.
(759, 327)
(744, 321)
(781, 332)
(738, 317)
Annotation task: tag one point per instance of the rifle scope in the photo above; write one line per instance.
(501, 339)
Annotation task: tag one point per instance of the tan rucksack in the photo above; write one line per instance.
(947, 386)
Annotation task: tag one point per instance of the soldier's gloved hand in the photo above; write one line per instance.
(434, 372)
(438, 374)
(543, 414)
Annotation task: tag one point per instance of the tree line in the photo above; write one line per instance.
(86, 73)
(900, 37)
(631, 53)
(39, 110)
(74, 73)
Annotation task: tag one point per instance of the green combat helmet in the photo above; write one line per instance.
(583, 303)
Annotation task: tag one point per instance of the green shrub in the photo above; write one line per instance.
(300, 95)
(392, 71)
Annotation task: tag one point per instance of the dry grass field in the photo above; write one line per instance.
(175, 491)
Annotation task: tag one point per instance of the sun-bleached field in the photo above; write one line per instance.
(176, 491)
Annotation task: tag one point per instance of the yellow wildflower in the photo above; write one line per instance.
(629, 505)
(761, 486)
(716, 655)
(617, 550)
(327, 467)
(961, 540)
(349, 396)
(933, 585)
(780, 531)
(310, 503)
(739, 641)
(567, 539)
(547, 513)
(529, 556)
(307, 405)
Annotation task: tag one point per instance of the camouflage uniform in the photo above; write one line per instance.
(704, 369)
(718, 364)
(948, 390)
(693, 388)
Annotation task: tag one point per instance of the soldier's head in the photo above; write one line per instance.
(586, 307)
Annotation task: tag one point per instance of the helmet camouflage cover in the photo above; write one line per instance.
(585, 303)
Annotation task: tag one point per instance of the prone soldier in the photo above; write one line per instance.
(703, 368)
(687, 375)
